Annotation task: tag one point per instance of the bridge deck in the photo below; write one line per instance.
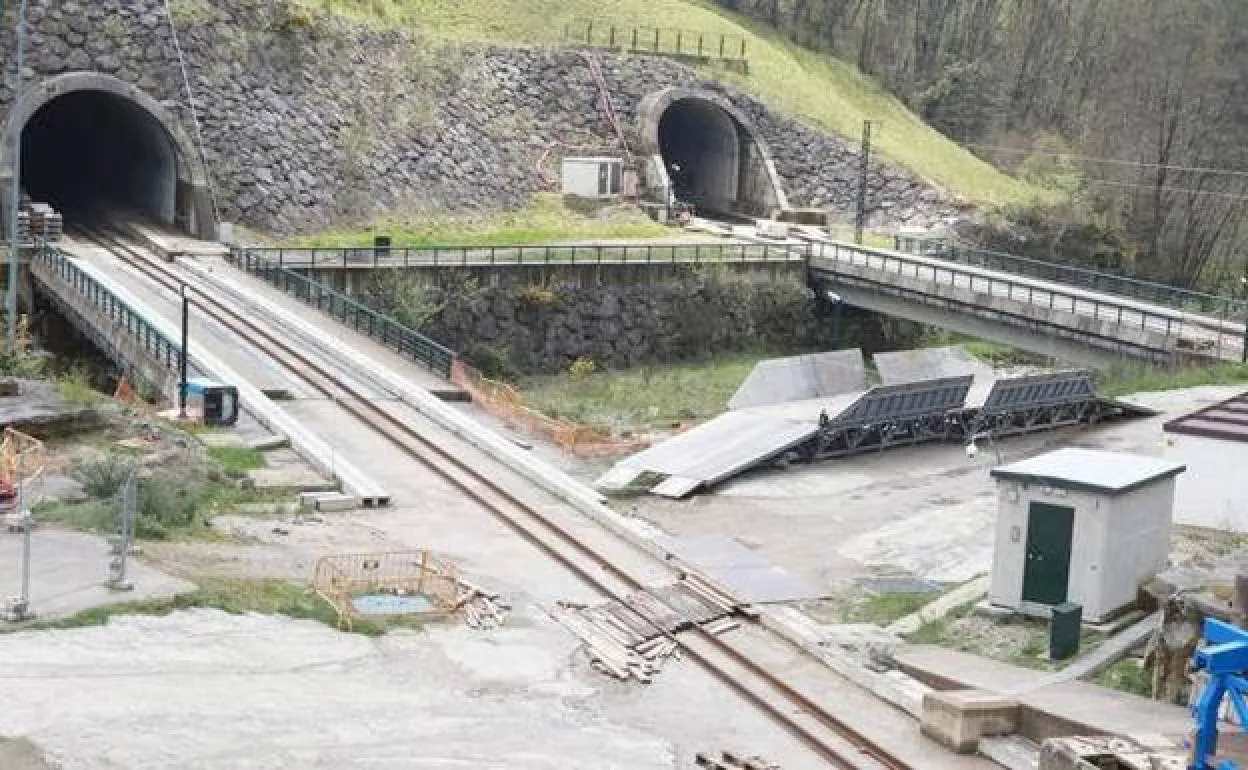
(1032, 313)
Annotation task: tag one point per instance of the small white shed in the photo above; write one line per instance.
(1081, 525)
(592, 177)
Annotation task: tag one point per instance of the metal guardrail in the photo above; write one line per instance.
(521, 256)
(1165, 321)
(1218, 306)
(353, 313)
(659, 40)
(163, 350)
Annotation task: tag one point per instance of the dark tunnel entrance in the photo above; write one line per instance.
(90, 153)
(712, 161)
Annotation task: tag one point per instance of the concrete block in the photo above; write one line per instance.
(330, 503)
(959, 718)
(269, 443)
(310, 498)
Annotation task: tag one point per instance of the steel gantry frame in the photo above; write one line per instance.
(936, 411)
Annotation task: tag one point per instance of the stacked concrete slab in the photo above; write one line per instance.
(797, 378)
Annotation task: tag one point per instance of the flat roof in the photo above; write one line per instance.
(1090, 470)
(1227, 420)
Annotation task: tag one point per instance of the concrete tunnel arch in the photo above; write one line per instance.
(705, 151)
(92, 142)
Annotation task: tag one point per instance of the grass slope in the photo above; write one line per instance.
(822, 90)
(545, 220)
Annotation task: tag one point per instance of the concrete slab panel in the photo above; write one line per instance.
(796, 378)
(717, 449)
(904, 366)
(749, 575)
(68, 571)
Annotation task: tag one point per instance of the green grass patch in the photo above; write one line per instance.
(75, 388)
(644, 398)
(235, 596)
(1141, 378)
(826, 92)
(237, 460)
(176, 503)
(883, 609)
(1127, 675)
(545, 220)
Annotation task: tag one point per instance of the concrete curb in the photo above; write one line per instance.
(309, 446)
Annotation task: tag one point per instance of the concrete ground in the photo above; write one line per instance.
(201, 689)
(926, 511)
(69, 570)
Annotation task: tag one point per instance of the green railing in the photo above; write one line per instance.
(350, 312)
(524, 256)
(51, 263)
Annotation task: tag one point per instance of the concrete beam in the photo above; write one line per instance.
(1040, 340)
(959, 718)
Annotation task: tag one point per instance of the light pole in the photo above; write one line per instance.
(186, 312)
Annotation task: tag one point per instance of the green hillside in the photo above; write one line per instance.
(824, 91)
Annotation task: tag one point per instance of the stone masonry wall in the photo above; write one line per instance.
(310, 121)
(521, 327)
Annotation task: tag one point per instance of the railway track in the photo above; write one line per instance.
(836, 742)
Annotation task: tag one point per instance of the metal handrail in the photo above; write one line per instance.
(527, 255)
(1166, 321)
(1221, 306)
(661, 40)
(154, 343)
(351, 312)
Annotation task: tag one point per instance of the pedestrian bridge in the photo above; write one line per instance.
(1060, 315)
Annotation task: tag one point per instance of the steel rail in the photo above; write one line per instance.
(483, 490)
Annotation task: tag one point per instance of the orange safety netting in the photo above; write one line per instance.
(504, 402)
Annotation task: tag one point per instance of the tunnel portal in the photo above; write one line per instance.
(713, 161)
(92, 152)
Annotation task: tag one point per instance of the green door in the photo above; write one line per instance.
(1047, 569)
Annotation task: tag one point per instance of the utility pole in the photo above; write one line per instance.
(15, 187)
(860, 221)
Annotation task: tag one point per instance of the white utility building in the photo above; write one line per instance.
(1083, 526)
(598, 178)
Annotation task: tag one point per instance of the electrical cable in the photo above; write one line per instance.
(190, 101)
(1112, 161)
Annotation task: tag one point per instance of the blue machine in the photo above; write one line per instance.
(1225, 658)
(212, 402)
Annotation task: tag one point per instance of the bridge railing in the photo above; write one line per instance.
(521, 256)
(406, 341)
(935, 271)
(1218, 306)
(156, 345)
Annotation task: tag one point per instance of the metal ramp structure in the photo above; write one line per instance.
(947, 409)
(797, 378)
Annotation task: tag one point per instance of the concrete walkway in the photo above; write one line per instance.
(1051, 707)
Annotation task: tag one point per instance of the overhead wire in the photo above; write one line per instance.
(1111, 161)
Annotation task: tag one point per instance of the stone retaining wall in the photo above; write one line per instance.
(310, 121)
